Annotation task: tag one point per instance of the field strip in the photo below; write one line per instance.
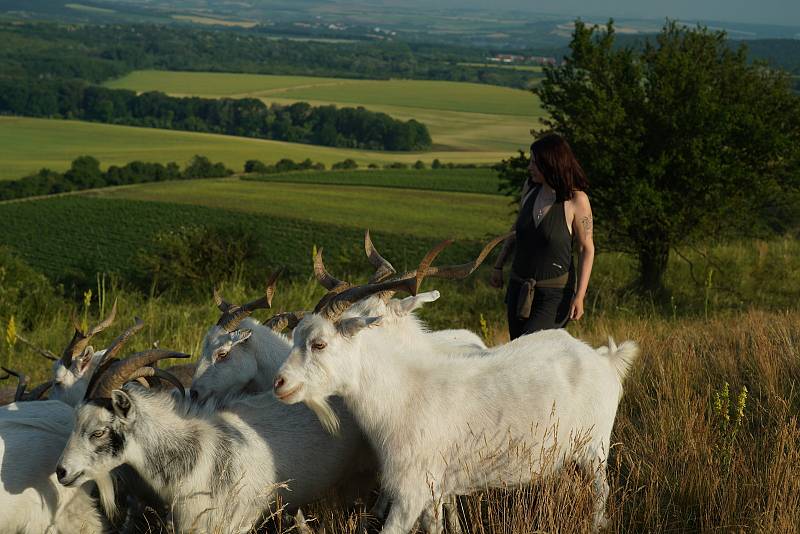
(424, 213)
(27, 145)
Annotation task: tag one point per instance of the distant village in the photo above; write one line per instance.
(514, 59)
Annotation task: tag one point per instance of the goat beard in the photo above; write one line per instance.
(105, 487)
(325, 414)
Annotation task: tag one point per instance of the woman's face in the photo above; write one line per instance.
(535, 174)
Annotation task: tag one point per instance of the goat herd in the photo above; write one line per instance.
(361, 391)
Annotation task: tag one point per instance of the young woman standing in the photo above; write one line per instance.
(554, 214)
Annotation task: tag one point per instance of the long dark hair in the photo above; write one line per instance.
(555, 160)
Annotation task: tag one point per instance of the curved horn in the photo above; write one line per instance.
(383, 269)
(81, 340)
(233, 315)
(325, 278)
(122, 371)
(37, 392)
(21, 384)
(146, 372)
(282, 321)
(334, 307)
(38, 350)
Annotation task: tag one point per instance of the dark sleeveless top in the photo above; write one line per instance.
(545, 251)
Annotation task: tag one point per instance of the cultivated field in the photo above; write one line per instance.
(27, 145)
(460, 116)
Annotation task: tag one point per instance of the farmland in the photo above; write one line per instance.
(26, 145)
(460, 116)
(457, 180)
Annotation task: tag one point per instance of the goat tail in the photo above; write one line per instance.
(105, 487)
(621, 356)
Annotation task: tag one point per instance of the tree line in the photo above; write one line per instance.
(85, 173)
(96, 53)
(247, 117)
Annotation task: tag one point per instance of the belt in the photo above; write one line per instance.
(526, 291)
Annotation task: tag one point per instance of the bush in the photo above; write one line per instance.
(24, 292)
(346, 165)
(254, 165)
(191, 257)
(419, 165)
(396, 165)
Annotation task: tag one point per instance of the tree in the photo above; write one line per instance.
(681, 138)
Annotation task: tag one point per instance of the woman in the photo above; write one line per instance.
(554, 213)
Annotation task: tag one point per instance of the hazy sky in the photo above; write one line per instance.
(781, 12)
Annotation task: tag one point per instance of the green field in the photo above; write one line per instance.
(457, 180)
(26, 145)
(460, 116)
(409, 211)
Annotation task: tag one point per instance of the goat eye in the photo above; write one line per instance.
(99, 433)
(318, 345)
(222, 355)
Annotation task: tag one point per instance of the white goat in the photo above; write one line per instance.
(464, 424)
(32, 436)
(201, 458)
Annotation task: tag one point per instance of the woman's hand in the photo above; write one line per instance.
(496, 278)
(576, 308)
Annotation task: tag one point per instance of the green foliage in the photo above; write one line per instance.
(24, 292)
(512, 174)
(346, 165)
(728, 420)
(189, 257)
(681, 139)
(85, 173)
(247, 117)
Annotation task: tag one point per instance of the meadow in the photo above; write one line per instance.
(460, 116)
(27, 145)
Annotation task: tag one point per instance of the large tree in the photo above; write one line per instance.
(681, 137)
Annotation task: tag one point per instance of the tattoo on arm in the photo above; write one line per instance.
(588, 224)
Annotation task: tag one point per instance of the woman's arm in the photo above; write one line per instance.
(582, 228)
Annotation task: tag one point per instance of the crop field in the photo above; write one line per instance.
(27, 145)
(422, 213)
(483, 181)
(460, 116)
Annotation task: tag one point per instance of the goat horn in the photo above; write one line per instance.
(37, 392)
(233, 315)
(220, 302)
(146, 372)
(38, 350)
(282, 321)
(122, 371)
(21, 384)
(383, 269)
(80, 340)
(334, 307)
(325, 279)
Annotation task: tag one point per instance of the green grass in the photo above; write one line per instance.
(460, 116)
(456, 180)
(422, 213)
(26, 145)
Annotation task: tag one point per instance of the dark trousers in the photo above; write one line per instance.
(550, 309)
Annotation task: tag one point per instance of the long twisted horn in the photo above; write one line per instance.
(333, 308)
(37, 392)
(80, 340)
(282, 321)
(38, 350)
(326, 280)
(383, 269)
(146, 372)
(22, 383)
(233, 315)
(121, 372)
(111, 353)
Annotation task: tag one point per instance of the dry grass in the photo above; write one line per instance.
(678, 464)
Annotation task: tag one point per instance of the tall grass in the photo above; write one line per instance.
(706, 437)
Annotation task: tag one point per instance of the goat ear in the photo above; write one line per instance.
(85, 359)
(352, 326)
(409, 304)
(240, 336)
(123, 405)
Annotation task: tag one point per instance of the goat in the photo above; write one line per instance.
(201, 458)
(444, 428)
